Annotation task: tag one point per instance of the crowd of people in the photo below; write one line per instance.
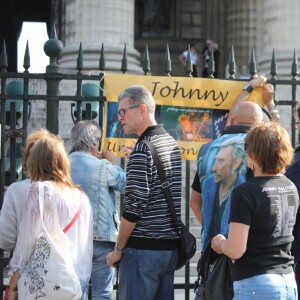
(244, 194)
(210, 47)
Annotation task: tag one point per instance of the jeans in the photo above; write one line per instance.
(147, 274)
(102, 274)
(198, 291)
(266, 286)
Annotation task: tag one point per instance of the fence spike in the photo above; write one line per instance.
(252, 65)
(146, 61)
(211, 64)
(102, 59)
(124, 66)
(273, 65)
(79, 66)
(167, 62)
(231, 64)
(26, 63)
(53, 48)
(3, 57)
(294, 65)
(188, 64)
(53, 34)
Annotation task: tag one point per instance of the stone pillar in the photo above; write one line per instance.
(279, 31)
(240, 34)
(94, 22)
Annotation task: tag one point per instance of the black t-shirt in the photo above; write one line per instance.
(268, 205)
(215, 224)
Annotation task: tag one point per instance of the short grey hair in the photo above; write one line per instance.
(85, 135)
(238, 152)
(139, 94)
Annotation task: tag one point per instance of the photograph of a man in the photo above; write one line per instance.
(228, 171)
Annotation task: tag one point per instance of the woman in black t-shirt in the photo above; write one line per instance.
(262, 216)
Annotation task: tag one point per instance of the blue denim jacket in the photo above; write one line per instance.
(99, 179)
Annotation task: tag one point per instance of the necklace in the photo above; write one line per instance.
(223, 196)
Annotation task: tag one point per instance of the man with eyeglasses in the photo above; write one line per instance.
(146, 248)
(293, 173)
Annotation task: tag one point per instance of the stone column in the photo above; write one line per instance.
(94, 22)
(240, 34)
(279, 31)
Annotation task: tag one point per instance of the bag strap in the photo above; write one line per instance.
(165, 185)
(75, 217)
(54, 208)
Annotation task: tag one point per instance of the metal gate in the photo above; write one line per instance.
(16, 108)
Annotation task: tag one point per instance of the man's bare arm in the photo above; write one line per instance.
(125, 231)
(196, 205)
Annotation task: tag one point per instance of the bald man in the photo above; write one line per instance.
(205, 197)
(217, 174)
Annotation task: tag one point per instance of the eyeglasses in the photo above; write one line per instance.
(245, 147)
(122, 111)
(296, 125)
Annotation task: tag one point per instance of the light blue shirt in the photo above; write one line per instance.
(99, 179)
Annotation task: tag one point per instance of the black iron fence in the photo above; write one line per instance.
(16, 108)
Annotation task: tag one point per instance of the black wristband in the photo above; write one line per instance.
(248, 87)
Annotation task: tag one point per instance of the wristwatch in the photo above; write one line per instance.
(248, 87)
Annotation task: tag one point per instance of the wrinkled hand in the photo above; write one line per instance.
(113, 258)
(106, 154)
(216, 243)
(128, 149)
(268, 95)
(258, 81)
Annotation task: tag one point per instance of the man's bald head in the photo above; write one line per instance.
(246, 113)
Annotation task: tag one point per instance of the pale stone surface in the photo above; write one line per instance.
(95, 22)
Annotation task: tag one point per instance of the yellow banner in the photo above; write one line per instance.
(193, 110)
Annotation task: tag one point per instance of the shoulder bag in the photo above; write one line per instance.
(214, 276)
(187, 246)
(50, 272)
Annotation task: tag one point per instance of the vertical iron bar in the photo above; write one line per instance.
(2, 172)
(231, 64)
(53, 48)
(12, 143)
(211, 63)
(26, 66)
(167, 62)
(188, 63)
(187, 223)
(124, 66)
(294, 74)
(252, 65)
(146, 61)
(79, 84)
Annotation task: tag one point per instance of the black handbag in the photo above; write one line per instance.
(214, 276)
(187, 245)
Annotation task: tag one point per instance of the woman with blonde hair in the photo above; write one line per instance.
(262, 215)
(48, 167)
(14, 199)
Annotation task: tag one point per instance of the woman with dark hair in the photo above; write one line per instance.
(262, 215)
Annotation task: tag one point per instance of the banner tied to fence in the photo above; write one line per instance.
(192, 110)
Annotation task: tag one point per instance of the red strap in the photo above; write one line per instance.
(75, 217)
